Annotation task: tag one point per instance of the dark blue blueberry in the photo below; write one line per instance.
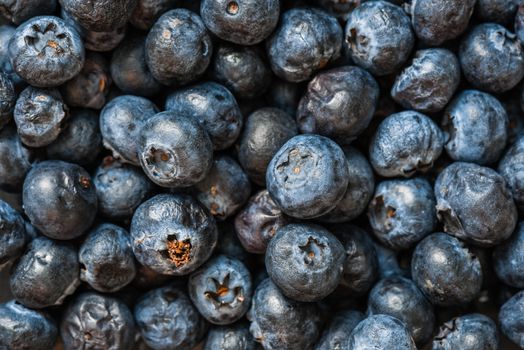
(511, 167)
(178, 47)
(15, 160)
(120, 188)
(46, 273)
(23, 328)
(339, 104)
(308, 176)
(508, 259)
(335, 334)
(106, 258)
(244, 22)
(99, 15)
(476, 127)
(415, 311)
(120, 123)
(96, 321)
(147, 12)
(221, 290)
(18, 11)
(46, 51)
(174, 150)
(339, 8)
(214, 107)
(405, 143)
(511, 319)
(498, 11)
(306, 40)
(284, 95)
(281, 323)
(475, 204)
(388, 264)
(167, 320)
(229, 244)
(380, 332)
(446, 270)
(40, 115)
(81, 141)
(7, 99)
(173, 234)
(6, 32)
(379, 37)
(305, 261)
(467, 332)
(60, 199)
(234, 337)
(13, 236)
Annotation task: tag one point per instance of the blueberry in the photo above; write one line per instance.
(467, 332)
(81, 141)
(221, 290)
(511, 167)
(475, 204)
(446, 270)
(519, 23)
(214, 107)
(380, 332)
(229, 244)
(266, 130)
(305, 261)
(13, 234)
(428, 82)
(23, 328)
(15, 160)
(475, 125)
(336, 332)
(46, 51)
(94, 321)
(281, 323)
(244, 22)
(18, 11)
(167, 320)
(379, 37)
(339, 103)
(306, 40)
(46, 274)
(499, 11)
(284, 95)
(120, 188)
(6, 32)
(308, 176)
(120, 123)
(508, 257)
(7, 99)
(172, 234)
(174, 150)
(60, 199)
(234, 337)
(100, 15)
(147, 12)
(388, 262)
(39, 116)
(511, 319)
(178, 47)
(339, 8)
(405, 143)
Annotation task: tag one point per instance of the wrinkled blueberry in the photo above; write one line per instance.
(467, 332)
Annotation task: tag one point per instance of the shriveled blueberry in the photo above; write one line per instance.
(147, 12)
(467, 332)
(13, 236)
(234, 337)
(511, 319)
(380, 332)
(15, 160)
(511, 167)
(339, 327)
(100, 15)
(7, 99)
(508, 259)
(498, 11)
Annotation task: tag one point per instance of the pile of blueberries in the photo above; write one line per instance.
(262, 174)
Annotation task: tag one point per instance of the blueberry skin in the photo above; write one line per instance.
(94, 321)
(120, 123)
(6, 32)
(405, 143)
(147, 12)
(305, 261)
(475, 125)
(243, 22)
(23, 328)
(174, 150)
(60, 199)
(508, 258)
(336, 332)
(100, 15)
(428, 82)
(221, 290)
(13, 236)
(467, 332)
(492, 58)
(15, 160)
(380, 332)
(339, 8)
(308, 176)
(498, 11)
(361, 186)
(106, 258)
(416, 312)
(173, 234)
(129, 69)
(234, 337)
(81, 141)
(339, 103)
(167, 320)
(511, 319)
(511, 167)
(46, 274)
(242, 69)
(46, 51)
(258, 221)
(178, 47)
(18, 11)
(519, 23)
(7, 99)
(402, 212)
(214, 107)
(281, 323)
(39, 116)
(120, 188)
(379, 37)
(284, 95)
(306, 40)
(446, 270)
(265, 131)
(475, 204)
